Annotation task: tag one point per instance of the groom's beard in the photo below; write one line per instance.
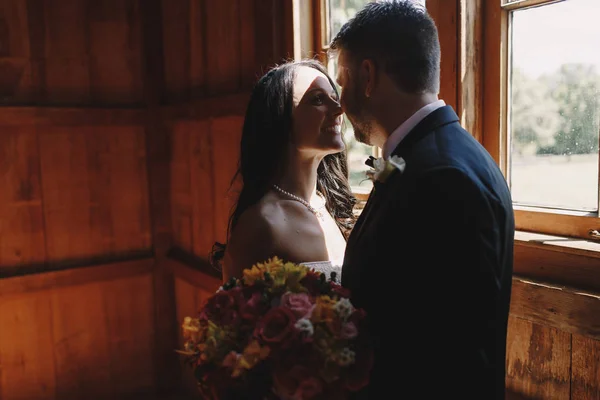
(361, 123)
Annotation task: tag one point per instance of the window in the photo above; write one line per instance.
(331, 16)
(546, 88)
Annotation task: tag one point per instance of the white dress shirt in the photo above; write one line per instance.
(400, 132)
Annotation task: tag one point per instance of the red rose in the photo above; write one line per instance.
(341, 291)
(312, 282)
(251, 309)
(277, 326)
(221, 308)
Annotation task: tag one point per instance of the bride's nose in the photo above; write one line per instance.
(336, 108)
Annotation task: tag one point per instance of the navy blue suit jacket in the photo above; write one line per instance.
(430, 259)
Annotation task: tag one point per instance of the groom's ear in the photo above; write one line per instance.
(368, 72)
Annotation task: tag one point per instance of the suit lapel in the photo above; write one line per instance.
(442, 116)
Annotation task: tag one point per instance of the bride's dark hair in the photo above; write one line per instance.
(265, 137)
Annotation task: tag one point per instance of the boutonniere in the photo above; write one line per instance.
(382, 169)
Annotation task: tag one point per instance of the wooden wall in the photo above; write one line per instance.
(111, 156)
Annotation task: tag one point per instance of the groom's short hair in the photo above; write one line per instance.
(401, 37)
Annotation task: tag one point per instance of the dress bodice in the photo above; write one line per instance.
(326, 267)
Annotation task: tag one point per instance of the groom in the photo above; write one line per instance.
(431, 256)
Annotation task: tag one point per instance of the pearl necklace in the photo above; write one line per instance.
(313, 210)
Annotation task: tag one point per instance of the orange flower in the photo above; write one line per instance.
(253, 274)
(324, 311)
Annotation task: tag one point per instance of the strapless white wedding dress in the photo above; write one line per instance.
(326, 267)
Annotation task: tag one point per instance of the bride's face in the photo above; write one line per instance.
(317, 115)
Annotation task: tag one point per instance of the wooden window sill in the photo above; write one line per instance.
(564, 244)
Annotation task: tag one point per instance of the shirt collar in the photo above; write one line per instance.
(400, 132)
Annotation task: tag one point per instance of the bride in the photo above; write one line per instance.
(295, 202)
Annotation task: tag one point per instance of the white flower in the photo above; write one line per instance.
(346, 357)
(305, 326)
(383, 168)
(343, 308)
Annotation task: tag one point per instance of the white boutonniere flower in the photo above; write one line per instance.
(382, 169)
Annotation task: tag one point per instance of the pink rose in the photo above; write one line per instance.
(348, 331)
(299, 303)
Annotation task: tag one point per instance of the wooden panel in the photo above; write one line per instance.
(115, 48)
(538, 360)
(54, 116)
(95, 191)
(198, 54)
(567, 309)
(192, 187)
(130, 325)
(26, 348)
(81, 351)
(555, 265)
(469, 97)
(73, 276)
(66, 43)
(92, 341)
(181, 198)
(199, 279)
(585, 374)
(249, 69)
(21, 218)
(70, 52)
(213, 107)
(226, 135)
(202, 188)
(445, 15)
(223, 46)
(176, 34)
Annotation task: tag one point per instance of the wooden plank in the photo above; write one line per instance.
(469, 98)
(129, 306)
(119, 187)
(181, 198)
(225, 136)
(570, 310)
(556, 265)
(59, 116)
(74, 276)
(193, 276)
(211, 107)
(115, 49)
(198, 49)
(177, 40)
(446, 17)
(538, 360)
(585, 374)
(21, 218)
(202, 186)
(26, 348)
(223, 46)
(80, 222)
(36, 24)
(81, 350)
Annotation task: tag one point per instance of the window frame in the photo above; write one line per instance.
(496, 58)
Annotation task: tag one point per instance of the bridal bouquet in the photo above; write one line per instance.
(282, 331)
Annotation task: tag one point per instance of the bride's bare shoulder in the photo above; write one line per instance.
(269, 228)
